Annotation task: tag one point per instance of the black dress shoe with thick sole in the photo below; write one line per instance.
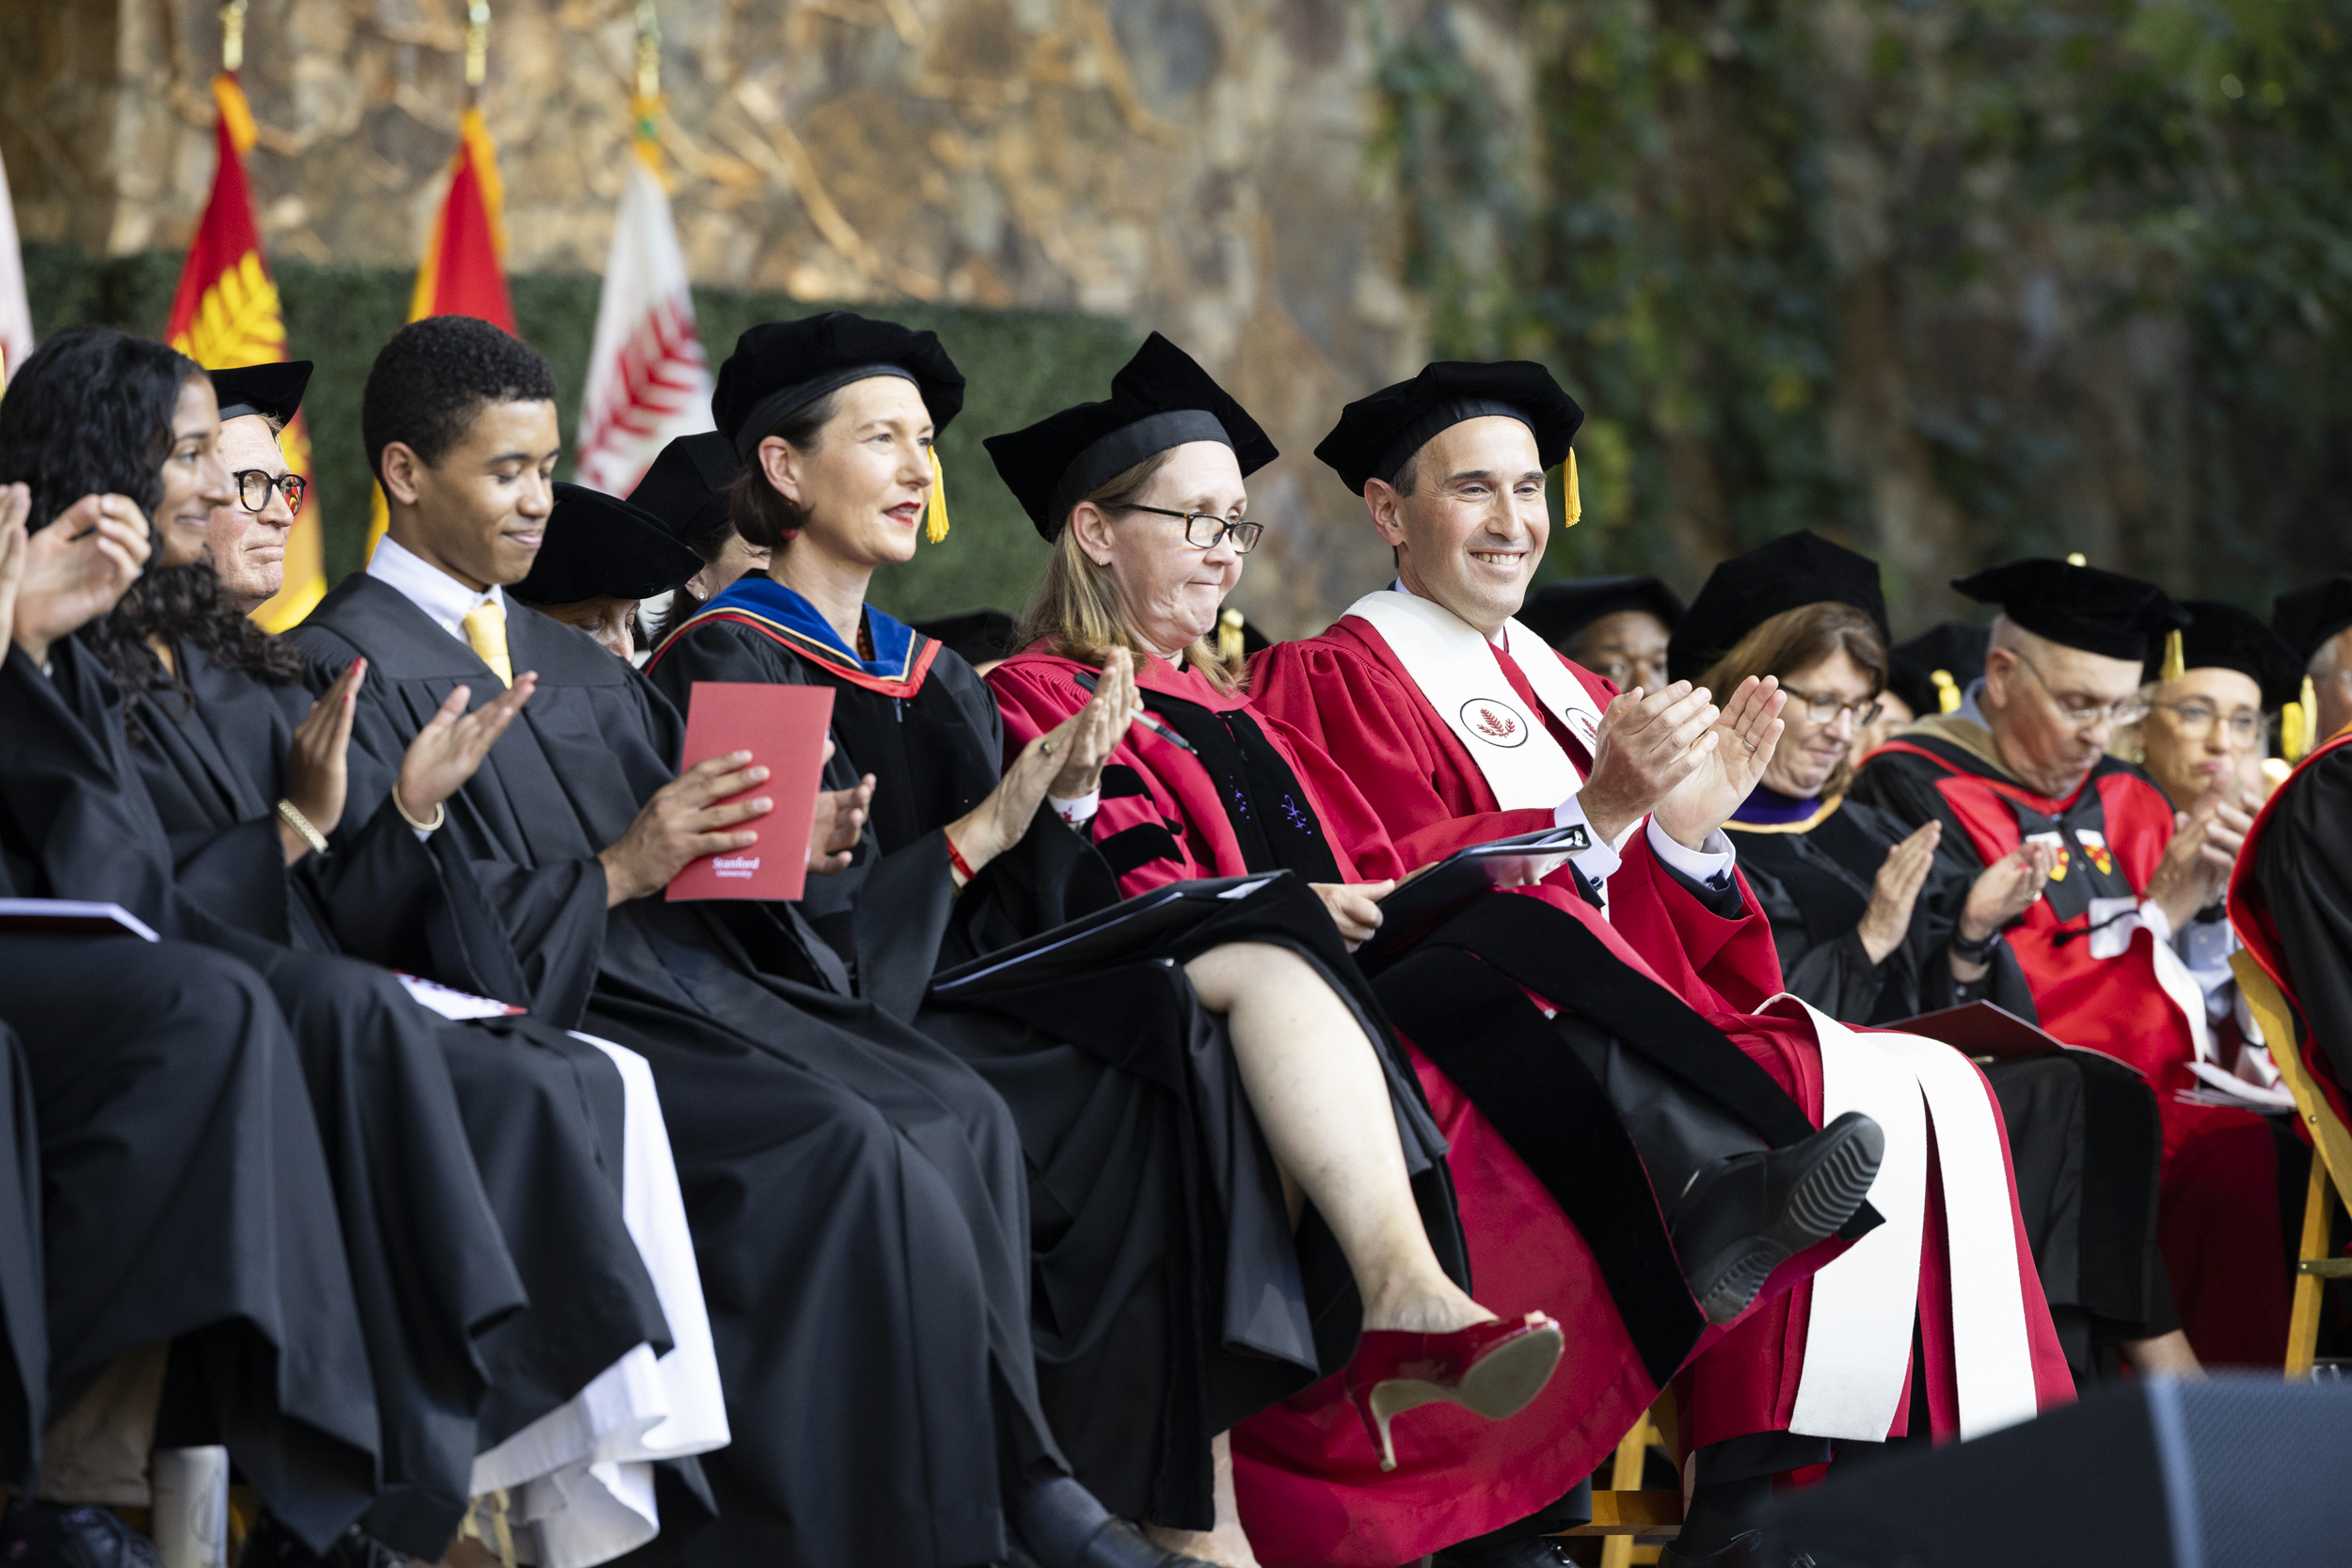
(1745, 1217)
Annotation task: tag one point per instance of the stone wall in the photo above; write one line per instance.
(1195, 166)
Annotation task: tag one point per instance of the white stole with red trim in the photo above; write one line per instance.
(1857, 1344)
(1451, 662)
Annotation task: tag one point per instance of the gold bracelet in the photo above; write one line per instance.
(294, 818)
(440, 815)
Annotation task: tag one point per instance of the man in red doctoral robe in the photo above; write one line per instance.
(2024, 759)
(1459, 726)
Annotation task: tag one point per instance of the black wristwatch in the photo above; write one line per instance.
(1974, 952)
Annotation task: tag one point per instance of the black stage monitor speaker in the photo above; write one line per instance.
(2241, 1471)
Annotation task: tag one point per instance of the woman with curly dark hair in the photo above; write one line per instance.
(193, 737)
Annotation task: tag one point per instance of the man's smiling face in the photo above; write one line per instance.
(1472, 531)
(481, 513)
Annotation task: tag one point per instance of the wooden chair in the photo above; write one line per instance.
(1624, 1510)
(2331, 1158)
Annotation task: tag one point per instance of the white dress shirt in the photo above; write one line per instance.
(1711, 863)
(430, 588)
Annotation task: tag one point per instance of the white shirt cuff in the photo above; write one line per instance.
(1077, 813)
(1708, 864)
(2153, 916)
(1598, 863)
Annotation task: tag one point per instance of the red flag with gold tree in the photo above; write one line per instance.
(464, 269)
(227, 314)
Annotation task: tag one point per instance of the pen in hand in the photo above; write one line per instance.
(1088, 682)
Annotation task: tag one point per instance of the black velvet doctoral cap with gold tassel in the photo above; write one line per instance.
(2081, 607)
(1378, 435)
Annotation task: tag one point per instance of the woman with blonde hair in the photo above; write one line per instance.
(1649, 1226)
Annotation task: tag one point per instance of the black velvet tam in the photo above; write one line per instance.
(2223, 637)
(1560, 610)
(1159, 399)
(1743, 592)
(601, 546)
(273, 392)
(1377, 435)
(778, 367)
(1954, 647)
(2306, 617)
(2079, 607)
(685, 490)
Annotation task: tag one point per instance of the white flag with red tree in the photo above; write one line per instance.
(648, 380)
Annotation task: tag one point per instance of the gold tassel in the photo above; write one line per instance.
(502, 1537)
(2175, 664)
(1228, 642)
(1573, 507)
(1947, 691)
(2297, 721)
(935, 514)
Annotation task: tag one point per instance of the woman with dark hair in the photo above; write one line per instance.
(1870, 931)
(176, 1133)
(447, 1140)
(1169, 1098)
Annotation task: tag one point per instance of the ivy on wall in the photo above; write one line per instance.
(2112, 241)
(1019, 366)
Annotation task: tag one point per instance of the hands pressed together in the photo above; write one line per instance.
(2206, 839)
(1675, 755)
(1065, 762)
(70, 572)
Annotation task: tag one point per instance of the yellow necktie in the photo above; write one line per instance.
(486, 633)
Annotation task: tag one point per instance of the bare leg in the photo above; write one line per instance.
(2166, 1355)
(1323, 1103)
(1225, 1545)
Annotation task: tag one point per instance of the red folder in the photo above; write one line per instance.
(784, 729)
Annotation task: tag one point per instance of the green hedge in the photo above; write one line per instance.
(1020, 365)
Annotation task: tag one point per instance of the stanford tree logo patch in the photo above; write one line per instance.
(1494, 722)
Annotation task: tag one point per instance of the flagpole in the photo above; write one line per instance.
(647, 105)
(477, 50)
(232, 36)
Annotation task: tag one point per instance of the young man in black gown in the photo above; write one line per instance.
(856, 1194)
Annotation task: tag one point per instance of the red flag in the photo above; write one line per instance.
(463, 272)
(227, 314)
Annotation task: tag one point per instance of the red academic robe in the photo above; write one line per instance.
(1347, 691)
(2218, 1209)
(1310, 1488)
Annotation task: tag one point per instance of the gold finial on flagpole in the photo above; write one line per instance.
(477, 46)
(646, 105)
(233, 36)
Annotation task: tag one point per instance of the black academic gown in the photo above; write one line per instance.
(543, 1113)
(430, 1266)
(180, 1173)
(2083, 1135)
(2303, 865)
(1152, 1337)
(855, 1192)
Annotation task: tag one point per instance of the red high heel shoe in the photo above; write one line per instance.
(1491, 1368)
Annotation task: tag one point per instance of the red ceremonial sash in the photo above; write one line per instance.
(2249, 913)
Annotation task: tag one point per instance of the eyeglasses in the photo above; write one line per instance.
(1824, 710)
(255, 484)
(2196, 721)
(2129, 711)
(1206, 531)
